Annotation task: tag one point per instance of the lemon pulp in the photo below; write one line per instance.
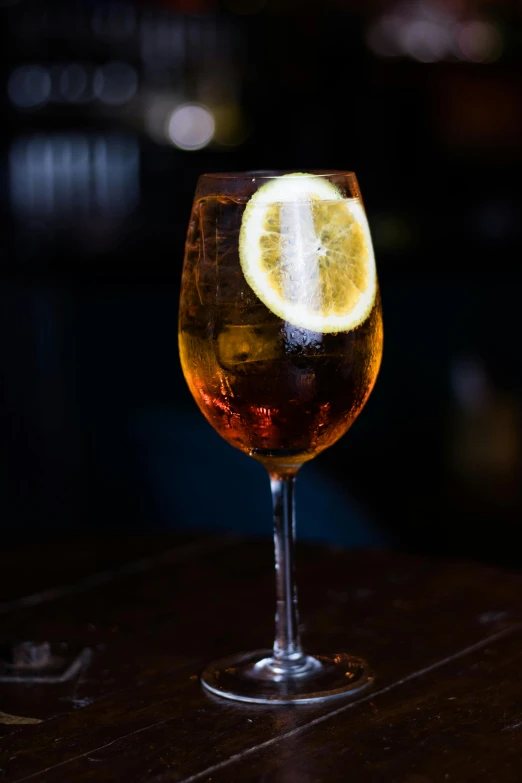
(306, 252)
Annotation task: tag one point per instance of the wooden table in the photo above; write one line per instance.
(445, 640)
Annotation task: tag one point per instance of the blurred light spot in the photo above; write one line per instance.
(231, 128)
(423, 30)
(73, 83)
(245, 7)
(157, 113)
(70, 177)
(480, 41)
(470, 384)
(383, 37)
(426, 41)
(191, 126)
(29, 86)
(115, 172)
(115, 83)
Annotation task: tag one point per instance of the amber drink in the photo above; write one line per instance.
(279, 392)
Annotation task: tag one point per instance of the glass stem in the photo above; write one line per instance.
(288, 656)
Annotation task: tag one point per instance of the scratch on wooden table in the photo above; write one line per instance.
(92, 751)
(512, 726)
(112, 574)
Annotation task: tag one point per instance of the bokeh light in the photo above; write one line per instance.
(191, 126)
(426, 40)
(430, 32)
(480, 41)
(29, 86)
(115, 83)
(231, 126)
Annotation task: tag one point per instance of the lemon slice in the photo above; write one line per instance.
(306, 252)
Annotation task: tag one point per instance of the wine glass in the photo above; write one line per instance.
(280, 338)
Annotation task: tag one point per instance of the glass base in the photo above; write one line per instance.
(255, 677)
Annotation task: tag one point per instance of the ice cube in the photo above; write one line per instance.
(247, 348)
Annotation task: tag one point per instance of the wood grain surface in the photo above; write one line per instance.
(444, 639)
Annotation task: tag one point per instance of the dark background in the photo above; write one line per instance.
(422, 99)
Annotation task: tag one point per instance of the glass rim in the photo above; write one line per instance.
(275, 174)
